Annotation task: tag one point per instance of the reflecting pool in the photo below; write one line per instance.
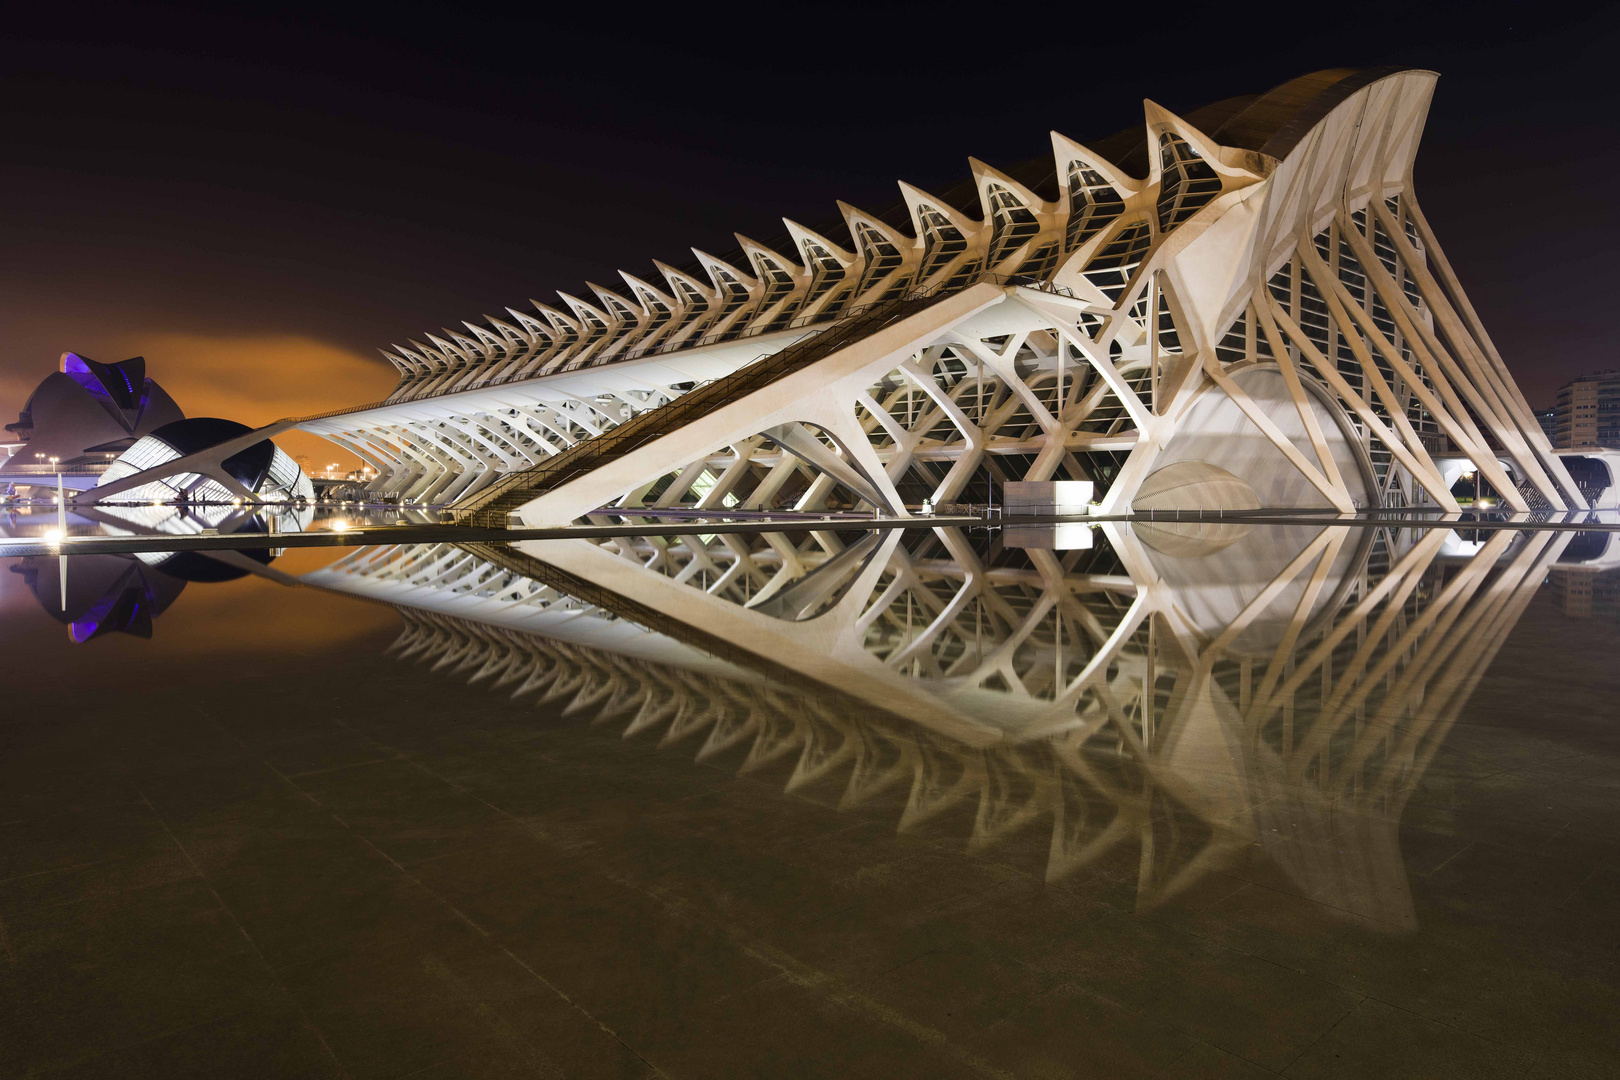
(1175, 798)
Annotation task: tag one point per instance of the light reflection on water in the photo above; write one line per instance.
(1198, 697)
(1241, 781)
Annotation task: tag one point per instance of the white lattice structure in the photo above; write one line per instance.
(1265, 301)
(1132, 699)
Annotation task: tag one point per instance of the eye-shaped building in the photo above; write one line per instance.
(260, 471)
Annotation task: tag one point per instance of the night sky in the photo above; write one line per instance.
(258, 199)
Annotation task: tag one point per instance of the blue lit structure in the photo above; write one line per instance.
(84, 415)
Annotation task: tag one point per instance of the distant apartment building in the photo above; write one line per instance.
(1588, 412)
(1548, 419)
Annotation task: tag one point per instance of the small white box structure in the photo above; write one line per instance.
(1063, 536)
(1046, 498)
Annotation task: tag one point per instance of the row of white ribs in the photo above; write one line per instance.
(1102, 220)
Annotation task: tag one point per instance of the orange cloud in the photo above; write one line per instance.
(250, 378)
(257, 379)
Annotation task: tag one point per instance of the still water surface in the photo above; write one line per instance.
(1196, 800)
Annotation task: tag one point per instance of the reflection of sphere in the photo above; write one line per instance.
(106, 594)
(1213, 588)
(262, 468)
(197, 566)
(1192, 485)
(1215, 431)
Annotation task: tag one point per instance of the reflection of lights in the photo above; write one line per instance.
(53, 536)
(339, 525)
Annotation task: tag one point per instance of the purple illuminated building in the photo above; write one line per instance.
(85, 415)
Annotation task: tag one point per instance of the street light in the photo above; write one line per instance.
(61, 533)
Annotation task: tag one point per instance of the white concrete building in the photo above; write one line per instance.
(1243, 303)
(1252, 288)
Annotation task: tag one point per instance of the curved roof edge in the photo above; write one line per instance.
(1276, 121)
(1272, 123)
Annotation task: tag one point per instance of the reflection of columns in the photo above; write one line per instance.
(1179, 743)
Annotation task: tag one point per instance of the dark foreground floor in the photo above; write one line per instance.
(342, 866)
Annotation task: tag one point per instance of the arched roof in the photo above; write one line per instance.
(1271, 123)
(1274, 122)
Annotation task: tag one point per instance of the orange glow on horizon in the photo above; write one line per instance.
(252, 379)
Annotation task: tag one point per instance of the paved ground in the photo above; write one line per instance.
(332, 864)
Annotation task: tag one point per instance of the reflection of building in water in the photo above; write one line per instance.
(193, 519)
(1180, 705)
(1582, 592)
(104, 594)
(123, 593)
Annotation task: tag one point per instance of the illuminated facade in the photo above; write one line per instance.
(1181, 709)
(1587, 415)
(259, 472)
(1247, 296)
(81, 417)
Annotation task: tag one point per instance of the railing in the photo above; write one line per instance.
(31, 469)
(491, 505)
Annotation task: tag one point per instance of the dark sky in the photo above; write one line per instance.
(257, 198)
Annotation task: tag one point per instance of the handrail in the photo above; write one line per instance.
(32, 469)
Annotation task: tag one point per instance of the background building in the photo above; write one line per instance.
(1548, 419)
(81, 417)
(1588, 412)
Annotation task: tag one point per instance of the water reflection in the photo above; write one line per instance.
(1196, 701)
(36, 519)
(105, 593)
(99, 594)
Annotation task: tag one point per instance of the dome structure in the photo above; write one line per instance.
(262, 469)
(86, 412)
